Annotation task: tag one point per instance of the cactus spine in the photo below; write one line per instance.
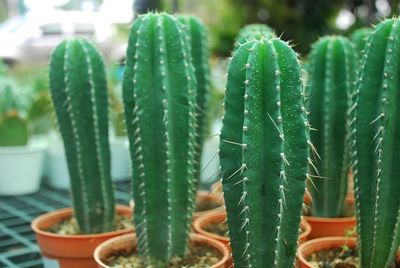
(197, 34)
(79, 93)
(264, 153)
(360, 38)
(159, 92)
(376, 147)
(251, 32)
(332, 71)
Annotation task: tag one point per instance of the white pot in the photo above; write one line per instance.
(57, 169)
(120, 158)
(42, 139)
(21, 168)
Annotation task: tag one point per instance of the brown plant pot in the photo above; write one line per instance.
(71, 250)
(205, 196)
(202, 222)
(127, 243)
(315, 245)
(324, 227)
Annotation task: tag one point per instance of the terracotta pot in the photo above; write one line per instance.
(202, 222)
(315, 245)
(67, 251)
(205, 196)
(323, 227)
(127, 243)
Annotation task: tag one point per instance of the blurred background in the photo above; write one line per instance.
(30, 30)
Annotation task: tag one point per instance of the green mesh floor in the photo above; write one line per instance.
(17, 241)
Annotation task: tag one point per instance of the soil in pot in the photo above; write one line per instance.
(204, 205)
(69, 226)
(200, 256)
(217, 228)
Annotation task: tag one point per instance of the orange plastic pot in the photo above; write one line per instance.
(205, 196)
(201, 223)
(127, 243)
(315, 245)
(324, 227)
(68, 251)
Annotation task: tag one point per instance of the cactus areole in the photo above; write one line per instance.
(375, 126)
(159, 92)
(332, 73)
(264, 153)
(79, 93)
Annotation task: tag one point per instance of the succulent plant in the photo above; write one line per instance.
(251, 32)
(79, 93)
(359, 38)
(331, 77)
(264, 152)
(197, 33)
(13, 121)
(376, 147)
(159, 93)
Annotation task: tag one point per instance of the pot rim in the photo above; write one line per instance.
(333, 241)
(214, 196)
(330, 220)
(193, 237)
(200, 223)
(38, 221)
(307, 228)
(30, 148)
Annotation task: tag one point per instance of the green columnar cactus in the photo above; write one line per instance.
(376, 147)
(360, 38)
(79, 93)
(197, 34)
(159, 92)
(332, 73)
(264, 153)
(251, 32)
(13, 122)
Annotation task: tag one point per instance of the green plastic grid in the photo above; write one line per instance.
(18, 248)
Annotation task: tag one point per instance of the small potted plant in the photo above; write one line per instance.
(68, 237)
(331, 71)
(264, 153)
(159, 92)
(375, 156)
(21, 159)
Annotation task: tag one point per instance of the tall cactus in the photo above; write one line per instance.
(79, 93)
(376, 147)
(359, 38)
(251, 32)
(159, 92)
(332, 73)
(197, 33)
(264, 153)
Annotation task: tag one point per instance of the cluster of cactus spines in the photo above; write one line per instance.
(359, 38)
(253, 32)
(375, 147)
(79, 93)
(159, 92)
(331, 77)
(197, 34)
(264, 152)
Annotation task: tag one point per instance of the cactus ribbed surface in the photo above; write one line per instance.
(197, 34)
(376, 147)
(79, 93)
(251, 32)
(332, 73)
(159, 92)
(264, 153)
(359, 38)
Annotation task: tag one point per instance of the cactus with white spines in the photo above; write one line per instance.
(331, 77)
(197, 34)
(79, 93)
(253, 32)
(264, 152)
(159, 93)
(376, 147)
(359, 38)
